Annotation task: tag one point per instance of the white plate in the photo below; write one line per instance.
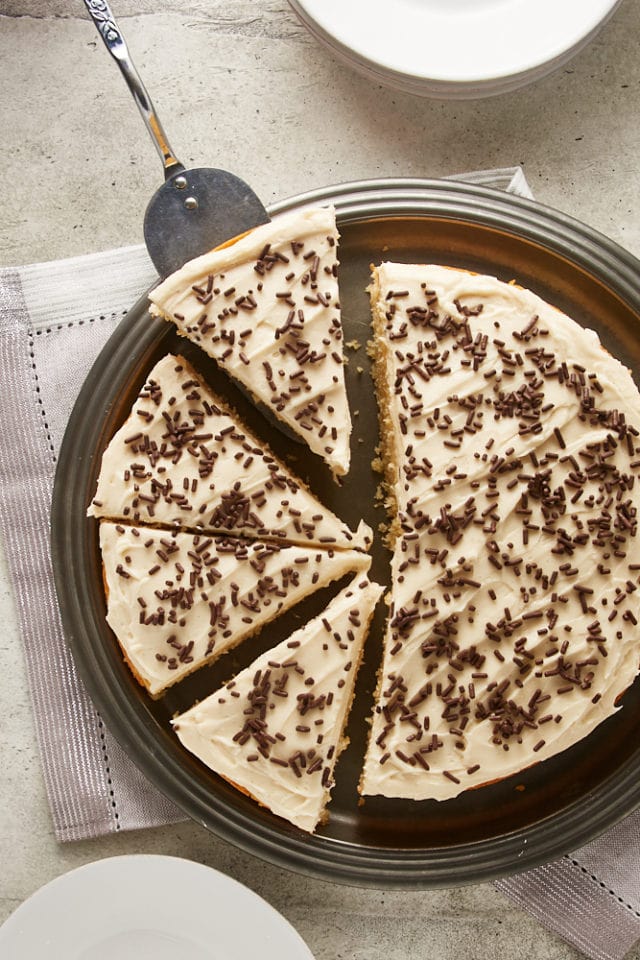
(148, 908)
(454, 48)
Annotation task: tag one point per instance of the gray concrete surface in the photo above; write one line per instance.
(241, 84)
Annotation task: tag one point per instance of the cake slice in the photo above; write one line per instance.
(176, 601)
(487, 670)
(183, 459)
(471, 370)
(266, 308)
(276, 730)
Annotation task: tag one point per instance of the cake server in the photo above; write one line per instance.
(195, 209)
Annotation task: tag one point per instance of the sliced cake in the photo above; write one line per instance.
(511, 455)
(266, 308)
(275, 731)
(183, 459)
(177, 600)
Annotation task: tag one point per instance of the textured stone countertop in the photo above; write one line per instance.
(241, 84)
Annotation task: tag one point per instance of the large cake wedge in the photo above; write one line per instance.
(275, 731)
(176, 600)
(511, 452)
(183, 459)
(266, 308)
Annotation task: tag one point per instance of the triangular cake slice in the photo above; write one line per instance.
(276, 730)
(176, 601)
(267, 309)
(183, 459)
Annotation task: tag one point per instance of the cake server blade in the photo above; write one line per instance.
(195, 209)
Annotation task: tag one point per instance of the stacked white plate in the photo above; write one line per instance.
(455, 49)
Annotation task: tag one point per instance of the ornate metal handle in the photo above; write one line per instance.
(109, 30)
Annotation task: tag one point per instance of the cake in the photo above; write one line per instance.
(510, 450)
(276, 730)
(183, 459)
(266, 308)
(178, 600)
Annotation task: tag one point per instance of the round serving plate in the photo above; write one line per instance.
(118, 910)
(454, 49)
(548, 810)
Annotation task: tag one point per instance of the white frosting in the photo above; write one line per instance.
(177, 600)
(506, 644)
(276, 729)
(267, 309)
(182, 459)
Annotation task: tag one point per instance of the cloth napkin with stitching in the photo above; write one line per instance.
(54, 320)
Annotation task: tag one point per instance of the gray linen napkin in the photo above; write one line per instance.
(54, 320)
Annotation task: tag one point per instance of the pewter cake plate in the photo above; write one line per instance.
(551, 808)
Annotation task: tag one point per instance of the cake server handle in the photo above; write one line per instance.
(104, 20)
